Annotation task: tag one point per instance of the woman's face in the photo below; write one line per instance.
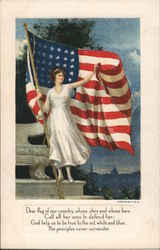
(59, 77)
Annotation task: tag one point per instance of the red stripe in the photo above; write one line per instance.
(117, 84)
(98, 53)
(96, 115)
(111, 146)
(120, 129)
(126, 146)
(36, 108)
(41, 120)
(105, 69)
(86, 66)
(127, 112)
(122, 99)
(93, 99)
(96, 84)
(104, 130)
(30, 95)
(110, 69)
(44, 98)
(92, 84)
(98, 142)
(103, 100)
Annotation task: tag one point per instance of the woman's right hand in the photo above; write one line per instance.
(39, 94)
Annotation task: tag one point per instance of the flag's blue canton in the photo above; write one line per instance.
(48, 55)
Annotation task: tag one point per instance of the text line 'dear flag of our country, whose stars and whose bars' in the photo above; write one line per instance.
(101, 108)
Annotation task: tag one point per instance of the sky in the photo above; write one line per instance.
(122, 36)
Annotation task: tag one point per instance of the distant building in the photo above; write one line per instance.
(114, 171)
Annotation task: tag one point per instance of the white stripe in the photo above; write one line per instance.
(40, 113)
(100, 107)
(102, 93)
(109, 138)
(118, 92)
(32, 102)
(92, 92)
(102, 60)
(113, 78)
(84, 73)
(108, 78)
(126, 106)
(29, 87)
(101, 123)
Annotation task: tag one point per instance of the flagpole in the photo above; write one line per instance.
(59, 187)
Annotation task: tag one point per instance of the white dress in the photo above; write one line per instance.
(67, 145)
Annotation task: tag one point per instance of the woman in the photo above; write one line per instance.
(67, 145)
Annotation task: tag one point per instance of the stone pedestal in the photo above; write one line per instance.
(36, 157)
(47, 189)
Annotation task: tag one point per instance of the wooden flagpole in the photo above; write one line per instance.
(59, 187)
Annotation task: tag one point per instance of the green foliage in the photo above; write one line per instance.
(72, 32)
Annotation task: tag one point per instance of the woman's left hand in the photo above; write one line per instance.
(96, 66)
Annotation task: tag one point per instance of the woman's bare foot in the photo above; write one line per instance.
(69, 176)
(60, 175)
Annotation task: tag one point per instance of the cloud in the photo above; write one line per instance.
(135, 56)
(136, 99)
(20, 45)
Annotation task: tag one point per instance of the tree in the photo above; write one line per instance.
(72, 32)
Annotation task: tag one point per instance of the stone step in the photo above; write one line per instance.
(47, 189)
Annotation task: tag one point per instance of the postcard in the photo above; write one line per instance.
(79, 124)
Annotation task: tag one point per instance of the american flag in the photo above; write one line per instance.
(102, 107)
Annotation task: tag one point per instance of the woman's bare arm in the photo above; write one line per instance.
(85, 80)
